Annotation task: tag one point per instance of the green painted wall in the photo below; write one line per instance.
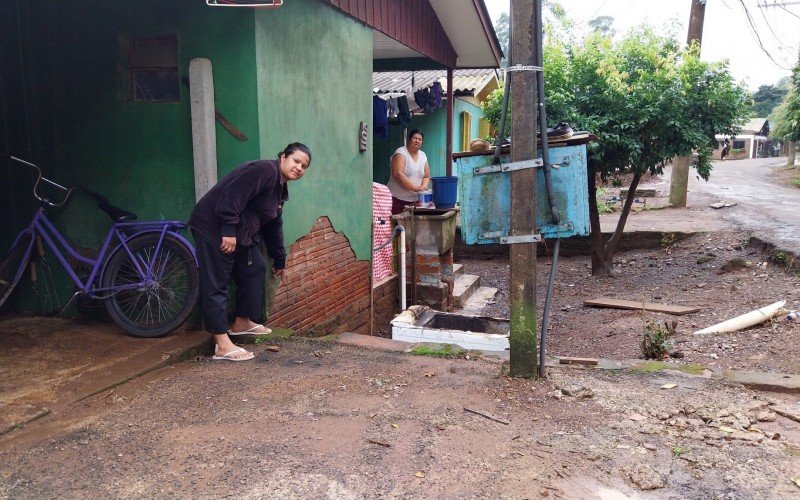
(298, 73)
(434, 126)
(314, 78)
(68, 62)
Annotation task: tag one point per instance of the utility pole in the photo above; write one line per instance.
(524, 335)
(680, 164)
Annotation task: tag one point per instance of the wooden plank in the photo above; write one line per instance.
(634, 304)
(578, 361)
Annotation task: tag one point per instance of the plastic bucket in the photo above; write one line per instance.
(445, 191)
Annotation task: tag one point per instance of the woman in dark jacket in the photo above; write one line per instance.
(228, 223)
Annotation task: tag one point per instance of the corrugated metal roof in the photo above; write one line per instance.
(754, 125)
(465, 81)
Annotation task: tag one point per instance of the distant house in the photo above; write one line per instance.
(752, 142)
(470, 88)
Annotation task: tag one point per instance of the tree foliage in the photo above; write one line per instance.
(766, 98)
(785, 119)
(647, 100)
(602, 24)
(501, 27)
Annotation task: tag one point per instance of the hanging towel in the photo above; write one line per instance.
(436, 95)
(403, 113)
(380, 121)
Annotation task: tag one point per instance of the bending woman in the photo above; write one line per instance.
(228, 223)
(410, 173)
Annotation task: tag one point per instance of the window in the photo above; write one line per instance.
(484, 128)
(466, 126)
(153, 63)
(738, 144)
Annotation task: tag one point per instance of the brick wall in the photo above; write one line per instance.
(325, 290)
(386, 297)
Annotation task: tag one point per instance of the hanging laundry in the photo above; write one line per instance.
(380, 120)
(403, 113)
(423, 98)
(391, 103)
(436, 95)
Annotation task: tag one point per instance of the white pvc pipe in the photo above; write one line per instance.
(402, 266)
(745, 320)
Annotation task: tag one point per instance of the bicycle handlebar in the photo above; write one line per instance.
(39, 178)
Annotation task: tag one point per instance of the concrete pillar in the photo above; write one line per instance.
(679, 181)
(204, 132)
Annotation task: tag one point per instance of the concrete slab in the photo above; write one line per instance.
(49, 363)
(373, 342)
(777, 382)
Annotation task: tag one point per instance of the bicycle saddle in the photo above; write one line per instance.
(116, 214)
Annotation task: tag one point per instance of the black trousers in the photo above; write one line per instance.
(245, 266)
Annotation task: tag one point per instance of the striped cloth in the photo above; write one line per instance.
(381, 231)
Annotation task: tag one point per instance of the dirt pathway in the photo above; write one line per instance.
(322, 420)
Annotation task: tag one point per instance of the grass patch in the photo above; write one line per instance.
(649, 367)
(795, 182)
(438, 350)
(655, 366)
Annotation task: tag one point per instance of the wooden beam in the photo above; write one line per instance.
(639, 305)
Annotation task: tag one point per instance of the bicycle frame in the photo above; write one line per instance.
(120, 233)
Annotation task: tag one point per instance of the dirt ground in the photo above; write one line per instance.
(323, 420)
(685, 273)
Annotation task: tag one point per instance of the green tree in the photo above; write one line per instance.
(501, 27)
(603, 24)
(647, 101)
(766, 98)
(785, 119)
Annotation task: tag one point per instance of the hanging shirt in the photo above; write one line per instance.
(380, 120)
(403, 113)
(414, 170)
(436, 95)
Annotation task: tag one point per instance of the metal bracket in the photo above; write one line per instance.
(517, 165)
(525, 238)
(493, 235)
(519, 67)
(567, 226)
(508, 167)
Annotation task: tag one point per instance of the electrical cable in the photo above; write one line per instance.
(758, 37)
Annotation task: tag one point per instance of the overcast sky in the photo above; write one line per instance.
(727, 33)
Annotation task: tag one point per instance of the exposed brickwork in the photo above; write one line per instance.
(325, 289)
(386, 300)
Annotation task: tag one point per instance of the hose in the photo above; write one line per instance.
(548, 179)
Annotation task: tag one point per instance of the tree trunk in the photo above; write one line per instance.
(791, 154)
(613, 243)
(599, 267)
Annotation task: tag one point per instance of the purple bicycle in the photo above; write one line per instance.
(145, 271)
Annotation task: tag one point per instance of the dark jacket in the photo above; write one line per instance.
(246, 202)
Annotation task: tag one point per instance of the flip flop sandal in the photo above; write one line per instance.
(231, 356)
(256, 330)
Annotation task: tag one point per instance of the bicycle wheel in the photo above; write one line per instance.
(152, 309)
(11, 265)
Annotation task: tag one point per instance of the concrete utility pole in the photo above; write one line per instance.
(680, 165)
(524, 335)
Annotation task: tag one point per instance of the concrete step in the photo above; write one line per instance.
(458, 270)
(463, 288)
(480, 299)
